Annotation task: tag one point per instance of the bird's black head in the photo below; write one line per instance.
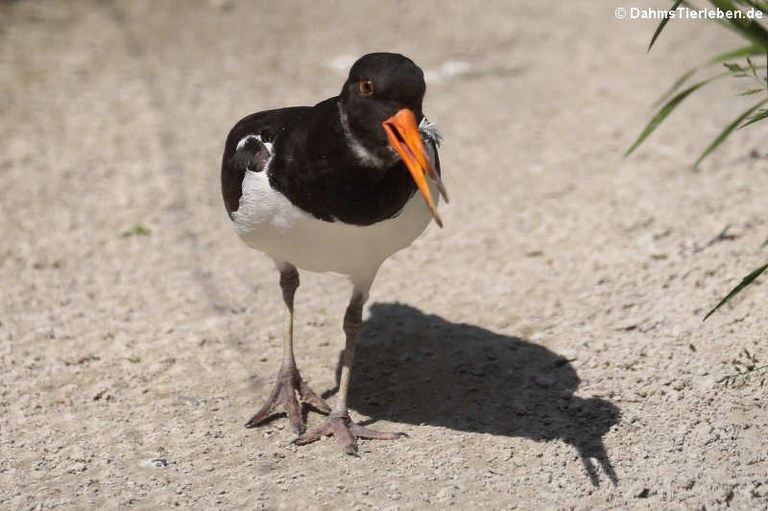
(384, 83)
(380, 85)
(380, 112)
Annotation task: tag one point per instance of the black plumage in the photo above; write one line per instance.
(314, 165)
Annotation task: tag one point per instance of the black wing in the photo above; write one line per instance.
(252, 154)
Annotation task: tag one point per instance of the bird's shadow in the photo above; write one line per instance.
(416, 368)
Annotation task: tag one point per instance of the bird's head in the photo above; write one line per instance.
(381, 111)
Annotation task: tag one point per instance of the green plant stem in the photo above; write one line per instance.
(736, 290)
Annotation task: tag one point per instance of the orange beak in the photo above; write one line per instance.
(404, 137)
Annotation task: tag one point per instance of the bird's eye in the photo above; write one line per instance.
(366, 87)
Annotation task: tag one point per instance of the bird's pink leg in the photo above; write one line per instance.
(289, 382)
(338, 422)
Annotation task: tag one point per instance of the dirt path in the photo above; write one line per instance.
(543, 351)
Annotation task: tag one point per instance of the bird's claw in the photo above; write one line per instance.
(339, 425)
(289, 383)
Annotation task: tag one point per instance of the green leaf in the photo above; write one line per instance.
(750, 92)
(663, 24)
(747, 28)
(675, 86)
(136, 230)
(752, 67)
(758, 116)
(665, 110)
(761, 5)
(734, 68)
(727, 131)
(740, 53)
(736, 290)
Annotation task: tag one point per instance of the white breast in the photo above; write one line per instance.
(266, 220)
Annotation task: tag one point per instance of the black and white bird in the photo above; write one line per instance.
(337, 187)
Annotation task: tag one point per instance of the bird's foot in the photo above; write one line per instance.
(289, 383)
(346, 432)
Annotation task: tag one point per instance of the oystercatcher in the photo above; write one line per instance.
(337, 187)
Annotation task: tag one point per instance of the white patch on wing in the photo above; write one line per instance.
(250, 136)
(268, 221)
(268, 145)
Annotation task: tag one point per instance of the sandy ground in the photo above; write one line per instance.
(543, 351)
